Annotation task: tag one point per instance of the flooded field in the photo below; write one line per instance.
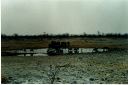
(89, 68)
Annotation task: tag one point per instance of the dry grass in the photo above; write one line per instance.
(75, 42)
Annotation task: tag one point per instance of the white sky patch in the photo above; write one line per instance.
(64, 16)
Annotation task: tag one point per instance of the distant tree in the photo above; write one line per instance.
(84, 34)
(98, 32)
(15, 36)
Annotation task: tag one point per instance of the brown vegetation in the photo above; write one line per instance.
(75, 42)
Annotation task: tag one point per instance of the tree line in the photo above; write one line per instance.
(65, 35)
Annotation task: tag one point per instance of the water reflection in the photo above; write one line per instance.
(43, 52)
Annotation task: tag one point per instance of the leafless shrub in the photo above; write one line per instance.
(54, 70)
(52, 73)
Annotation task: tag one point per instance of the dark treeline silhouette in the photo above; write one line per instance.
(60, 36)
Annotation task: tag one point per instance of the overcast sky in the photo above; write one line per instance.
(64, 16)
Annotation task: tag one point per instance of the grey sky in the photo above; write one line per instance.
(64, 16)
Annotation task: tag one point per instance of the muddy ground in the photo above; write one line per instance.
(89, 68)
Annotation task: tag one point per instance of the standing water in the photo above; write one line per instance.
(43, 52)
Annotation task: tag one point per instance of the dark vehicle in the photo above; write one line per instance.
(56, 48)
